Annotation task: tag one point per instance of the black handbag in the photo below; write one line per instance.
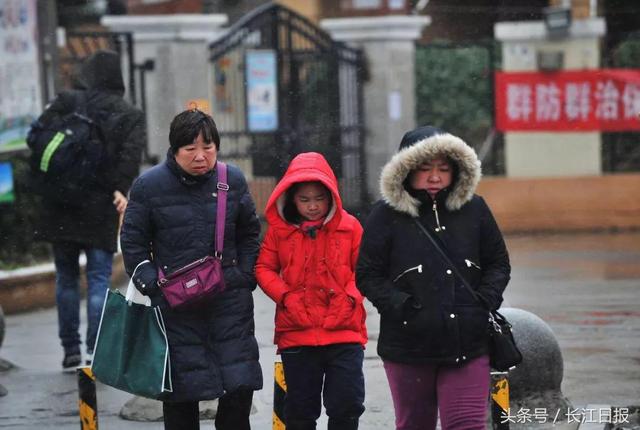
(503, 350)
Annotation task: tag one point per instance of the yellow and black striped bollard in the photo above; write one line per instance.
(279, 392)
(500, 400)
(87, 402)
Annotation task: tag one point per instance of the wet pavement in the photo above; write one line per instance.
(586, 287)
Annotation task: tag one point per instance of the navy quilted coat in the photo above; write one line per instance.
(170, 220)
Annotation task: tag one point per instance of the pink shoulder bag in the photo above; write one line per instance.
(202, 279)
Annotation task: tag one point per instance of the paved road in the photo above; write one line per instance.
(587, 287)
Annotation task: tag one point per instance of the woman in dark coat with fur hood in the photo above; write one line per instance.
(433, 332)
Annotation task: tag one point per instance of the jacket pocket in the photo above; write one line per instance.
(345, 312)
(292, 314)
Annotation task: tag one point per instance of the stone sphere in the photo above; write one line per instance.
(536, 382)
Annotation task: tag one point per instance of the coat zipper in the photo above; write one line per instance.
(435, 211)
(418, 268)
(471, 263)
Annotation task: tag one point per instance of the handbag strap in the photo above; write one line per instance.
(221, 212)
(495, 317)
(446, 258)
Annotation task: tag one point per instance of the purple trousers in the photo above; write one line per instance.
(459, 393)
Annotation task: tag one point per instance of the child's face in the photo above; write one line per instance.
(312, 201)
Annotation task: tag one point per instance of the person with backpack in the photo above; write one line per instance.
(307, 266)
(84, 182)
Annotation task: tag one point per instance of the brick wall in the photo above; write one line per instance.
(564, 204)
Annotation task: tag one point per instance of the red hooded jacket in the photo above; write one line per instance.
(312, 280)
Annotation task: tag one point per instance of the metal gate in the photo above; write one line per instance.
(318, 104)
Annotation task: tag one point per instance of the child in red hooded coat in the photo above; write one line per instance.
(307, 266)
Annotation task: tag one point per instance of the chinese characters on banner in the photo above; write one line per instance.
(589, 100)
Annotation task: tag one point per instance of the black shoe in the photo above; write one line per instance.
(71, 361)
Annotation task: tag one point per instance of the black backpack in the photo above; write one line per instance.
(67, 154)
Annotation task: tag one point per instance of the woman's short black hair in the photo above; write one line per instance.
(186, 127)
(290, 211)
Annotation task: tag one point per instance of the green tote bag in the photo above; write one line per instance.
(132, 351)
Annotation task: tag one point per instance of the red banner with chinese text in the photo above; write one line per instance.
(589, 100)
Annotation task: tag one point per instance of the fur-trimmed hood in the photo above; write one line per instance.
(419, 146)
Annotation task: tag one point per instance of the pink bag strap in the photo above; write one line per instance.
(221, 212)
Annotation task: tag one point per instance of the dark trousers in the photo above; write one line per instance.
(233, 413)
(333, 372)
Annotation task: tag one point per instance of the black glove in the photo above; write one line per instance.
(417, 318)
(236, 278)
(410, 307)
(146, 280)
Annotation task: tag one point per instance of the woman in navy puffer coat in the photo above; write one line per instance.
(170, 221)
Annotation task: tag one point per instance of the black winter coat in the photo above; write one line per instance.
(170, 220)
(427, 315)
(95, 223)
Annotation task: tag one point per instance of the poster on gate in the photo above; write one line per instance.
(262, 90)
(586, 100)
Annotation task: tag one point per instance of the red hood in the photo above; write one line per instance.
(308, 166)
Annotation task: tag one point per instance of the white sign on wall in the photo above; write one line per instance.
(394, 105)
(20, 93)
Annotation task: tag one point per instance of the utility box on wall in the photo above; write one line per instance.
(550, 61)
